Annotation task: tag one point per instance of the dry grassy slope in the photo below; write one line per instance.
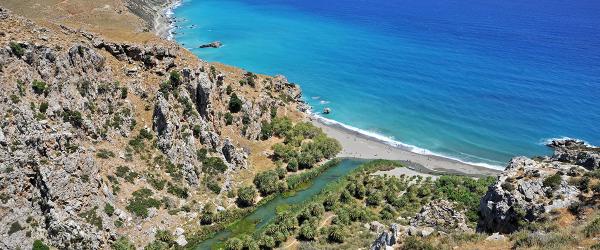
(111, 20)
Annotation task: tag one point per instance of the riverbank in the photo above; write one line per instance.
(357, 145)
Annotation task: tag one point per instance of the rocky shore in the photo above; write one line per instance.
(156, 13)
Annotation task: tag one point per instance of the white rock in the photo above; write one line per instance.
(179, 231)
(376, 226)
(426, 231)
(181, 240)
(495, 237)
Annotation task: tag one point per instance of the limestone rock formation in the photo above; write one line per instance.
(441, 215)
(520, 195)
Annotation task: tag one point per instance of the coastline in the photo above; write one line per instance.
(164, 21)
(358, 145)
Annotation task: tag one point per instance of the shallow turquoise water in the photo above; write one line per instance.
(263, 214)
(481, 81)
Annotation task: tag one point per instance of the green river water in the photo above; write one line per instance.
(266, 212)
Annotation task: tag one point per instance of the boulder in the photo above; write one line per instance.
(442, 215)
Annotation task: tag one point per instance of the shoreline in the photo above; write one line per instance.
(164, 22)
(358, 145)
(354, 143)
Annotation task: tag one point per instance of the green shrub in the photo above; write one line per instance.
(553, 181)
(14, 227)
(17, 49)
(235, 104)
(213, 165)
(43, 107)
(39, 245)
(267, 182)
(292, 165)
(105, 154)
(228, 118)
(123, 243)
(213, 185)
(15, 99)
(266, 130)
(246, 196)
(141, 201)
(413, 243)
(177, 191)
(109, 209)
(336, 234)
(73, 117)
(92, 218)
(228, 90)
(593, 228)
(234, 244)
(124, 92)
(175, 78)
(308, 232)
(39, 87)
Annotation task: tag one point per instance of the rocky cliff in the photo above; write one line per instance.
(102, 138)
(530, 188)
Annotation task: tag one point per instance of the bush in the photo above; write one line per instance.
(17, 49)
(175, 78)
(14, 227)
(124, 92)
(141, 201)
(413, 243)
(213, 185)
(109, 209)
(292, 165)
(246, 196)
(336, 234)
(281, 125)
(593, 228)
(39, 245)
(43, 107)
(73, 117)
(39, 87)
(105, 154)
(267, 182)
(178, 191)
(266, 131)
(123, 243)
(234, 244)
(308, 232)
(228, 118)
(553, 181)
(235, 104)
(213, 165)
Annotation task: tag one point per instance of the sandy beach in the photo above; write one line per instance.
(358, 145)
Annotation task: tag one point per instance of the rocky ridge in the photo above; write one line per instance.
(79, 109)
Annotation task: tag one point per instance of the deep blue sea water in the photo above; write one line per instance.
(481, 81)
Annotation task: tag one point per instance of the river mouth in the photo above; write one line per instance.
(262, 215)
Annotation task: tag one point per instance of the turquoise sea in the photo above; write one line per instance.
(481, 81)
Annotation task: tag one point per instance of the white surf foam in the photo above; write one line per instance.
(390, 141)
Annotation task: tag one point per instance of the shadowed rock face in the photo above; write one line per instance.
(521, 195)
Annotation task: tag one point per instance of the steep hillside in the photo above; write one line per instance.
(102, 138)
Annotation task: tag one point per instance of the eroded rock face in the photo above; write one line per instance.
(441, 215)
(49, 181)
(519, 195)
